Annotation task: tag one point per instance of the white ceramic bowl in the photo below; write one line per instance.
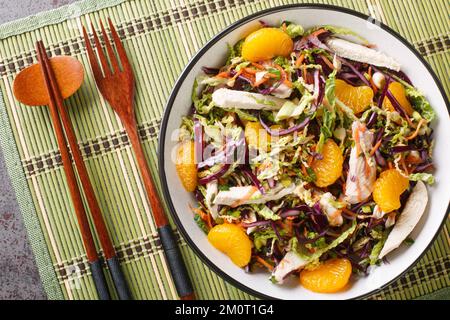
(213, 54)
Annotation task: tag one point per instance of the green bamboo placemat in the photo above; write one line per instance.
(160, 37)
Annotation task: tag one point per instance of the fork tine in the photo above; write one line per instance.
(109, 48)
(120, 49)
(92, 58)
(101, 54)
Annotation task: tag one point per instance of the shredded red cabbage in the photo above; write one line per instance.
(357, 206)
(248, 172)
(423, 155)
(198, 141)
(399, 149)
(424, 167)
(215, 175)
(355, 71)
(318, 217)
(210, 71)
(396, 104)
(256, 224)
(270, 89)
(348, 77)
(317, 43)
(372, 120)
(275, 229)
(348, 216)
(383, 93)
(283, 132)
(380, 159)
(292, 212)
(304, 240)
(319, 88)
(311, 41)
(379, 135)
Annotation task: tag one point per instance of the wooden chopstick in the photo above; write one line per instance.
(55, 105)
(99, 223)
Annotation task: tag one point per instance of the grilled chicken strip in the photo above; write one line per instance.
(230, 99)
(357, 52)
(362, 169)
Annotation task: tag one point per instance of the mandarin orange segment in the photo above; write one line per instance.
(357, 98)
(388, 188)
(185, 165)
(256, 136)
(233, 241)
(331, 276)
(265, 44)
(329, 168)
(398, 91)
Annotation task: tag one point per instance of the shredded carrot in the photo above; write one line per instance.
(410, 159)
(318, 32)
(238, 74)
(289, 226)
(257, 65)
(390, 165)
(203, 215)
(299, 60)
(223, 74)
(347, 211)
(288, 83)
(366, 167)
(328, 62)
(209, 221)
(356, 138)
(264, 263)
(421, 122)
(402, 162)
(284, 76)
(310, 160)
(304, 170)
(375, 147)
(198, 211)
(249, 76)
(259, 82)
(250, 70)
(283, 26)
(372, 84)
(270, 75)
(305, 73)
(282, 72)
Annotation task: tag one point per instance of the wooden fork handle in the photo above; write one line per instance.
(153, 197)
(176, 264)
(99, 280)
(118, 278)
(171, 250)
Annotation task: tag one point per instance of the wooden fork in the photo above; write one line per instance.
(117, 86)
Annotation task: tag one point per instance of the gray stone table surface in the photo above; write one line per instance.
(19, 278)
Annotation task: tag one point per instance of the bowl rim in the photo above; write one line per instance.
(188, 68)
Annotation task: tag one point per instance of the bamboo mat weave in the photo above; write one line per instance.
(160, 37)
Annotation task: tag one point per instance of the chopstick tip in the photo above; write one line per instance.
(111, 25)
